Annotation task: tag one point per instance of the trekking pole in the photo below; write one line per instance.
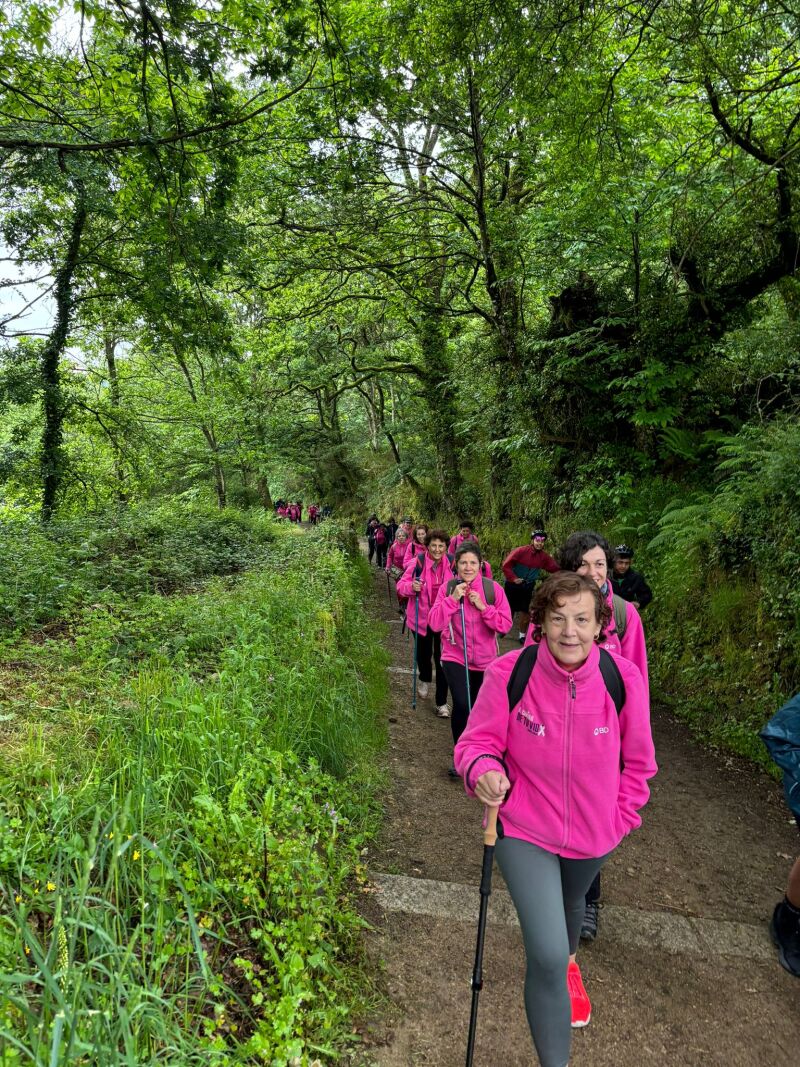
(416, 625)
(466, 664)
(389, 587)
(489, 841)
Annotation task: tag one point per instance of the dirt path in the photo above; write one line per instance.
(683, 971)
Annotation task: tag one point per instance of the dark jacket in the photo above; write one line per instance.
(781, 735)
(632, 587)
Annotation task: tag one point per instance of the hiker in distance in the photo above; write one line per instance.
(628, 583)
(482, 605)
(523, 567)
(394, 563)
(466, 532)
(566, 753)
(424, 576)
(417, 543)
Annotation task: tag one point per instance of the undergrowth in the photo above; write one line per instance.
(187, 791)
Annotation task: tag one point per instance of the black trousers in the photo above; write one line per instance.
(429, 648)
(457, 680)
(381, 551)
(372, 547)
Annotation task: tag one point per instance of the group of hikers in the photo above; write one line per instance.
(293, 511)
(554, 736)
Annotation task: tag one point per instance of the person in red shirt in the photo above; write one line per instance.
(522, 569)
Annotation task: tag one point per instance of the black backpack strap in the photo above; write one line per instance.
(613, 679)
(520, 676)
(419, 567)
(488, 590)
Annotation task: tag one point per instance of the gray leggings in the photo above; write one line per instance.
(548, 892)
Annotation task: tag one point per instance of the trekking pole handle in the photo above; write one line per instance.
(490, 830)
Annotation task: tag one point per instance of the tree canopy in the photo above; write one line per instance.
(477, 255)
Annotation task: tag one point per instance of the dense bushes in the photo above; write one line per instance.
(46, 573)
(185, 799)
(725, 625)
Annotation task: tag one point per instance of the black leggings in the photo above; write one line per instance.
(457, 680)
(593, 892)
(381, 551)
(429, 645)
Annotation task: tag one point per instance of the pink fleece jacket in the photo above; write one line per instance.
(482, 626)
(413, 549)
(632, 646)
(457, 539)
(578, 771)
(394, 558)
(431, 579)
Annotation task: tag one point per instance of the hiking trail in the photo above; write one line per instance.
(683, 971)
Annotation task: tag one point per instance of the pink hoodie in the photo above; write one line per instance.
(397, 551)
(632, 646)
(578, 770)
(432, 579)
(482, 626)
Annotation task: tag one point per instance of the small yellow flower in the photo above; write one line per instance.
(27, 951)
(110, 835)
(206, 922)
(136, 853)
(17, 899)
(50, 887)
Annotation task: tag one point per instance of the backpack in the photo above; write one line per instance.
(523, 668)
(620, 616)
(488, 588)
(380, 536)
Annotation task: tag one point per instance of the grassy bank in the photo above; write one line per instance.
(187, 788)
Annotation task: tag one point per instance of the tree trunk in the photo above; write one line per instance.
(110, 346)
(442, 414)
(52, 458)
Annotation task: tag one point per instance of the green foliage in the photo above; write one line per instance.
(47, 573)
(725, 637)
(183, 814)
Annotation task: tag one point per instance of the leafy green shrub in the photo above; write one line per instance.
(46, 573)
(180, 845)
(726, 616)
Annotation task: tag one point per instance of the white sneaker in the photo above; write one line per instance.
(442, 711)
(422, 690)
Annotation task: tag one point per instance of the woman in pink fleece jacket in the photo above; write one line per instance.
(589, 553)
(424, 576)
(569, 772)
(484, 622)
(415, 546)
(394, 562)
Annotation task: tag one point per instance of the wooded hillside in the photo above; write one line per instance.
(491, 259)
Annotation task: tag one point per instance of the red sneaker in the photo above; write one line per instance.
(578, 997)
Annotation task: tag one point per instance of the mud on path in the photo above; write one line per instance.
(682, 973)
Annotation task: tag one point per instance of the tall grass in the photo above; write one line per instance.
(178, 871)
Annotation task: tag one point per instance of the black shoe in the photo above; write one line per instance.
(452, 772)
(590, 921)
(785, 930)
